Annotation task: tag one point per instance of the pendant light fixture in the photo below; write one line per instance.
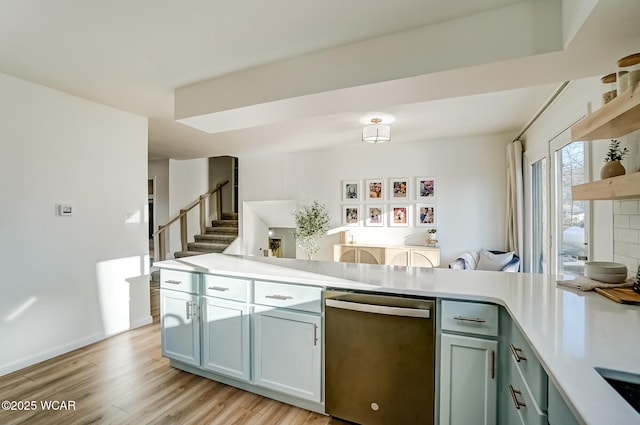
(376, 132)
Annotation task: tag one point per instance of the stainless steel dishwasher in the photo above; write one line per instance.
(379, 358)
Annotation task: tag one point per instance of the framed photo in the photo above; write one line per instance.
(351, 190)
(425, 215)
(375, 215)
(399, 215)
(374, 189)
(399, 189)
(351, 215)
(425, 188)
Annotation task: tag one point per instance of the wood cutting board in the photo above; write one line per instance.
(620, 295)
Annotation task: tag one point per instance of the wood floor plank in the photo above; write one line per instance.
(125, 380)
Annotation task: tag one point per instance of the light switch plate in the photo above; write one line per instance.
(64, 210)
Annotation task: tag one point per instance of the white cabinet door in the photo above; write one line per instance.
(180, 326)
(225, 339)
(467, 380)
(287, 352)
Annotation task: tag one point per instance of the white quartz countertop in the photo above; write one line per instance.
(572, 332)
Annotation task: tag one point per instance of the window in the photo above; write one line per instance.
(571, 230)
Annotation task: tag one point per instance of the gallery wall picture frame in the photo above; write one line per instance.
(351, 190)
(399, 215)
(399, 189)
(426, 188)
(374, 190)
(375, 216)
(351, 215)
(426, 215)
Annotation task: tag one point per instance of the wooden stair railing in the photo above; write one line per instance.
(201, 201)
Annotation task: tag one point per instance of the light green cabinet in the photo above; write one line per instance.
(468, 368)
(559, 412)
(467, 380)
(226, 337)
(179, 316)
(287, 352)
(180, 326)
(261, 336)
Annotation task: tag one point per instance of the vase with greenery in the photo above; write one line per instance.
(612, 166)
(312, 222)
(431, 237)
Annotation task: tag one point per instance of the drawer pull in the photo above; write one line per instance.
(517, 353)
(218, 288)
(173, 282)
(469, 319)
(279, 297)
(514, 394)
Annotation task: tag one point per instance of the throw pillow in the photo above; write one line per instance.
(494, 262)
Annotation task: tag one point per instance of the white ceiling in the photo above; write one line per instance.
(134, 55)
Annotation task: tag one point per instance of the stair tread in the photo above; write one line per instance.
(214, 236)
(207, 244)
(218, 223)
(221, 230)
(180, 254)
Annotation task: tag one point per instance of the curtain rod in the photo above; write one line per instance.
(544, 108)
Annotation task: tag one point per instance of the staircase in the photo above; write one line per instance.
(216, 238)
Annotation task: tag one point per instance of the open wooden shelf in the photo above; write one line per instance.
(615, 119)
(621, 187)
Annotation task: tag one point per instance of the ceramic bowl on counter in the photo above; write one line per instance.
(604, 271)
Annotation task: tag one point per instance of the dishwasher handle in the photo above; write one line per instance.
(380, 309)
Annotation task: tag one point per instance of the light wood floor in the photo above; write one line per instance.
(125, 380)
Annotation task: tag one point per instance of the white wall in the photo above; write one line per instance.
(187, 181)
(470, 175)
(67, 281)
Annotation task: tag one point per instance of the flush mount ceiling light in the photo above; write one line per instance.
(376, 132)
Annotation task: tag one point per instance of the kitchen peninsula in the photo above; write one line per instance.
(571, 333)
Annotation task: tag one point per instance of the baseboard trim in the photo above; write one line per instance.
(66, 348)
(141, 322)
(51, 353)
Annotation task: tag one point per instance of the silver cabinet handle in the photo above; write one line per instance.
(279, 297)
(173, 282)
(189, 305)
(514, 395)
(218, 288)
(517, 353)
(469, 319)
(315, 334)
(379, 309)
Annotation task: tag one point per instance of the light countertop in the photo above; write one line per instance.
(572, 332)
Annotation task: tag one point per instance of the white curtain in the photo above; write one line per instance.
(514, 231)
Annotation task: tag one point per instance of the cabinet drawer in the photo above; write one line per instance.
(471, 318)
(229, 288)
(528, 365)
(519, 401)
(559, 412)
(297, 297)
(179, 281)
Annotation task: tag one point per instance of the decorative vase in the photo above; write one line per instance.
(612, 169)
